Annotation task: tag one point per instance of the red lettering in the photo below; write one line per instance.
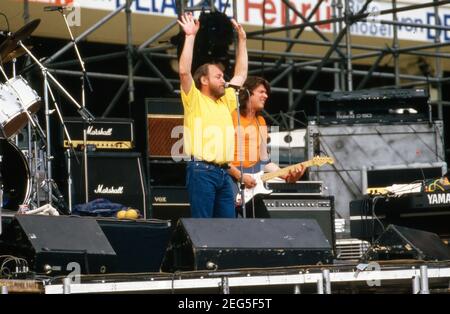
(258, 5)
(63, 2)
(328, 16)
(293, 15)
(272, 10)
(305, 8)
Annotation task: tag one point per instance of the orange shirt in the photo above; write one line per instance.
(253, 131)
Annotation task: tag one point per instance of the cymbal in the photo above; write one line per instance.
(7, 47)
(18, 52)
(25, 31)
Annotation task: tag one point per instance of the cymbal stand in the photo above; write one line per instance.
(14, 61)
(84, 113)
(66, 132)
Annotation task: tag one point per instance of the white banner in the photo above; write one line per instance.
(251, 12)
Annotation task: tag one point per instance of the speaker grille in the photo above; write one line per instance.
(160, 139)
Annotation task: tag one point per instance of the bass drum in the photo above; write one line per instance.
(16, 176)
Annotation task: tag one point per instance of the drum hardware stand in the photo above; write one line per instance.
(60, 197)
(84, 113)
(14, 61)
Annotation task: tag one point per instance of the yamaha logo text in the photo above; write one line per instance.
(438, 199)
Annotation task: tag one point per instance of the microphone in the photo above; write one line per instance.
(236, 87)
(55, 8)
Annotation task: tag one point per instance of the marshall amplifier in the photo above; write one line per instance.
(103, 133)
(118, 177)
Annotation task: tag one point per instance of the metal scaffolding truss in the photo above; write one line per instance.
(338, 58)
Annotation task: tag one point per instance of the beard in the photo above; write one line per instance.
(217, 91)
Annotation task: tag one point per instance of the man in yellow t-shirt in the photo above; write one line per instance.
(209, 131)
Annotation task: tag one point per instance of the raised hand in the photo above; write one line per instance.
(189, 24)
(239, 29)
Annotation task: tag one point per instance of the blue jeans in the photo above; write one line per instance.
(210, 191)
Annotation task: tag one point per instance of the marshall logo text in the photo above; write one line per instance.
(99, 132)
(108, 190)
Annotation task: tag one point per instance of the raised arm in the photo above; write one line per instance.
(190, 27)
(241, 68)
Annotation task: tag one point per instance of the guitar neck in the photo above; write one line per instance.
(267, 176)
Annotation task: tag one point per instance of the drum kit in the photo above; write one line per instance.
(20, 175)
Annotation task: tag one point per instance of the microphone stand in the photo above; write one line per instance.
(240, 147)
(84, 79)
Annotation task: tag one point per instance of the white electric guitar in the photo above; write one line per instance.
(261, 177)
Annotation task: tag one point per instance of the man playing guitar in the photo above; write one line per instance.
(253, 139)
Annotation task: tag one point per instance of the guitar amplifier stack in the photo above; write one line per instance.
(111, 169)
(160, 138)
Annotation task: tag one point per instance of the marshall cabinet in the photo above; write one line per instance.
(118, 177)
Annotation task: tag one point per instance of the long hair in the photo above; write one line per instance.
(249, 86)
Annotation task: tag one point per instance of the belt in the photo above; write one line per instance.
(222, 166)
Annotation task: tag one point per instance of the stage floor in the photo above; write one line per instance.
(401, 276)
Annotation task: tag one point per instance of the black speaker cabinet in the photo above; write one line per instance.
(210, 244)
(140, 245)
(170, 202)
(59, 245)
(118, 177)
(405, 243)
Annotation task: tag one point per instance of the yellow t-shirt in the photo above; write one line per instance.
(208, 127)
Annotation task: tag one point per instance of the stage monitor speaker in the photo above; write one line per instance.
(211, 244)
(118, 177)
(398, 242)
(140, 245)
(58, 245)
